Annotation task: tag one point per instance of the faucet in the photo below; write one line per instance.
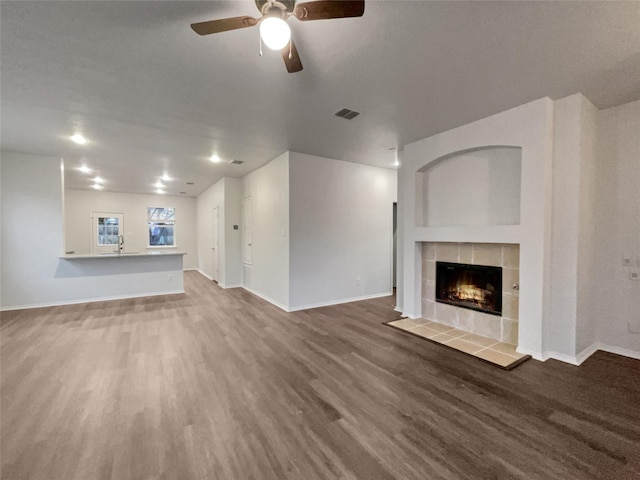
(120, 248)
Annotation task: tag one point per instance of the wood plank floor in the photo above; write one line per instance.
(218, 384)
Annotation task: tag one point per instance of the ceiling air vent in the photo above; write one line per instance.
(236, 162)
(346, 113)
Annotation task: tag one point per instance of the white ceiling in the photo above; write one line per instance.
(152, 96)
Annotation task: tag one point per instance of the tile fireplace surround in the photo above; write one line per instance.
(507, 256)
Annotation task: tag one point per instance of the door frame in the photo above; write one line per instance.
(95, 248)
(215, 243)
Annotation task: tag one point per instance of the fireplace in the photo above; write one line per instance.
(476, 287)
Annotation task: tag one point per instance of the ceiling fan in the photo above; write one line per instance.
(274, 31)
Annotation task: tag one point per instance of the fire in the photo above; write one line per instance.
(471, 292)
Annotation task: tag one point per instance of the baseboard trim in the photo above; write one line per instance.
(204, 274)
(339, 302)
(580, 358)
(189, 269)
(625, 352)
(541, 357)
(587, 352)
(265, 297)
(88, 300)
(562, 357)
(237, 285)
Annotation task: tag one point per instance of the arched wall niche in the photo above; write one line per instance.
(474, 187)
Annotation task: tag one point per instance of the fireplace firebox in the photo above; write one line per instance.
(477, 287)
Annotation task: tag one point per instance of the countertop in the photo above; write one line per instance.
(80, 256)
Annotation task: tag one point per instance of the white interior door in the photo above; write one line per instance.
(106, 229)
(215, 252)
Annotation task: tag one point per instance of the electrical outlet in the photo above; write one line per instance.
(634, 274)
(170, 277)
(627, 261)
(633, 327)
(358, 281)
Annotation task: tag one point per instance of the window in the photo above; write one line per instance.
(108, 231)
(161, 222)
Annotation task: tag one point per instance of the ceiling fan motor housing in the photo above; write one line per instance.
(276, 12)
(267, 6)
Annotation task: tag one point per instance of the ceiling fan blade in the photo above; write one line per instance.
(293, 64)
(223, 25)
(325, 9)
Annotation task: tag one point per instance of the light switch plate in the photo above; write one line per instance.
(627, 261)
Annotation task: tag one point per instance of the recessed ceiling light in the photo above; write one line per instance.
(158, 185)
(165, 177)
(160, 191)
(97, 186)
(215, 159)
(98, 180)
(396, 163)
(78, 138)
(84, 169)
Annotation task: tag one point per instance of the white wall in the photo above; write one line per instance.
(570, 327)
(586, 323)
(615, 300)
(476, 188)
(80, 203)
(32, 274)
(206, 202)
(226, 195)
(268, 274)
(233, 237)
(341, 230)
(32, 226)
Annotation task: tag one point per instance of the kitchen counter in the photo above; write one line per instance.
(123, 275)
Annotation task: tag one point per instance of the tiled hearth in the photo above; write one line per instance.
(499, 353)
(507, 256)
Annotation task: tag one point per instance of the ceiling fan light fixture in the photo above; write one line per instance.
(275, 33)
